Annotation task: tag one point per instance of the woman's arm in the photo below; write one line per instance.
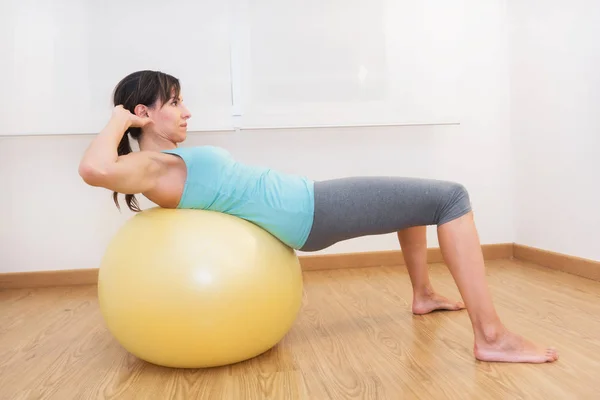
(102, 166)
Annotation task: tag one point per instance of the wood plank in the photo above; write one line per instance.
(355, 338)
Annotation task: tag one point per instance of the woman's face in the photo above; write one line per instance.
(170, 119)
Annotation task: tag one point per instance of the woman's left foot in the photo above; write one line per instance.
(424, 304)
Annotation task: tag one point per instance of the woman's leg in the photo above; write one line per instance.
(413, 242)
(461, 250)
(348, 208)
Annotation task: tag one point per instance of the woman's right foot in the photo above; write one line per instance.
(510, 347)
(426, 303)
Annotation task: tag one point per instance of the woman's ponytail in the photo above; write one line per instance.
(123, 149)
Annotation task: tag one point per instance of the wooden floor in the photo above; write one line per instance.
(354, 339)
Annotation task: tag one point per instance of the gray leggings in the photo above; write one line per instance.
(348, 208)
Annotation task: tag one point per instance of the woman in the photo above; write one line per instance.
(304, 214)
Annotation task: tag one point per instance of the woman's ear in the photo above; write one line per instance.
(141, 111)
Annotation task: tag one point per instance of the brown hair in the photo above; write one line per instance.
(141, 87)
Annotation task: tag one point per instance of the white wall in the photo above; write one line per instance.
(555, 124)
(81, 219)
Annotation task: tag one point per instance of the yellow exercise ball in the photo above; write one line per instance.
(192, 288)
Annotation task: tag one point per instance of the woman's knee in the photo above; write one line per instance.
(456, 202)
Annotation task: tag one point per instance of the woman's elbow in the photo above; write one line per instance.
(92, 175)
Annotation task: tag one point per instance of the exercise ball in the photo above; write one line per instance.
(193, 289)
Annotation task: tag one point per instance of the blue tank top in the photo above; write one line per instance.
(282, 204)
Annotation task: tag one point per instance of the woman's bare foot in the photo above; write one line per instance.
(510, 347)
(426, 303)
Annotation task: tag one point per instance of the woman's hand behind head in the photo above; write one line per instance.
(132, 120)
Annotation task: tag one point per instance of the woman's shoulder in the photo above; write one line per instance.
(204, 155)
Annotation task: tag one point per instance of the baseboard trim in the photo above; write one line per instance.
(390, 257)
(573, 265)
(561, 262)
(36, 279)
